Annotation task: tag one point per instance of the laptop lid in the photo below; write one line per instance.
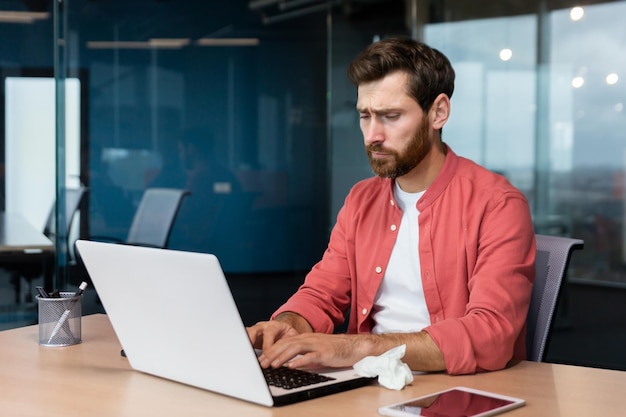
(175, 317)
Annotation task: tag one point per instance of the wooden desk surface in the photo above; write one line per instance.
(92, 379)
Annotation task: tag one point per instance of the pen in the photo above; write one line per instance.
(66, 313)
(42, 293)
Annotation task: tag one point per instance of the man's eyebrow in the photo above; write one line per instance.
(385, 110)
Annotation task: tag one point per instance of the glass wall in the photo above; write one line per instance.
(215, 100)
(246, 104)
(27, 148)
(539, 98)
(552, 118)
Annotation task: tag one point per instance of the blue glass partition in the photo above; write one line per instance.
(248, 103)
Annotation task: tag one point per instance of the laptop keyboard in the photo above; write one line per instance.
(288, 378)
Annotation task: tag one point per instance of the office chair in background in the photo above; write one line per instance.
(151, 225)
(154, 218)
(32, 271)
(551, 263)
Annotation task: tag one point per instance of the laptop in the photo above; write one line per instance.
(176, 318)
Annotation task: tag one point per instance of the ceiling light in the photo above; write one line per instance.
(21, 17)
(506, 54)
(117, 45)
(578, 82)
(156, 43)
(612, 78)
(227, 42)
(576, 13)
(172, 43)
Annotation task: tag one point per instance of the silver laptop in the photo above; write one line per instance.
(175, 317)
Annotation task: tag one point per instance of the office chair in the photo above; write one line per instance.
(151, 225)
(30, 271)
(154, 218)
(551, 263)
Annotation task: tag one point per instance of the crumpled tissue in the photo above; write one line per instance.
(391, 371)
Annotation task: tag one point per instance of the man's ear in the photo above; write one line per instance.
(440, 111)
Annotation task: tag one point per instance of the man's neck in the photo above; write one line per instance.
(420, 177)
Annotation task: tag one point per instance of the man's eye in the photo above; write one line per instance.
(364, 116)
(392, 116)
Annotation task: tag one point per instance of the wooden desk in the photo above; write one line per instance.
(92, 379)
(22, 243)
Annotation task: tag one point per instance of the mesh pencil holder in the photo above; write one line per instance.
(60, 320)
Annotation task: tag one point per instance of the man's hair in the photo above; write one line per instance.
(429, 71)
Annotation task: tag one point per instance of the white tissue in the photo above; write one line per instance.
(391, 371)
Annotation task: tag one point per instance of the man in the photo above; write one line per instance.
(436, 253)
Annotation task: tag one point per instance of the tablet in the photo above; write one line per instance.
(454, 402)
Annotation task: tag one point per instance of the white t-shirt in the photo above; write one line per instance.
(400, 305)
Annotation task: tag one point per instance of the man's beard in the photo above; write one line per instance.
(398, 164)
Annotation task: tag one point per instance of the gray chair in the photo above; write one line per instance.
(151, 225)
(30, 271)
(154, 218)
(551, 263)
(73, 199)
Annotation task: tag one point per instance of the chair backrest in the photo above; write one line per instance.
(551, 263)
(155, 215)
(73, 198)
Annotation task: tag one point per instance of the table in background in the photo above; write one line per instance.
(22, 243)
(92, 379)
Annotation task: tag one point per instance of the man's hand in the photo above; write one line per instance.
(315, 350)
(289, 340)
(265, 333)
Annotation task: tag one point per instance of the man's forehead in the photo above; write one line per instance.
(392, 87)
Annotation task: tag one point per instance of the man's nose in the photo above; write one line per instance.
(373, 132)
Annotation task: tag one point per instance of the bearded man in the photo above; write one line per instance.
(436, 252)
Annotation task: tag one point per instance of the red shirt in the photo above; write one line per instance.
(477, 254)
